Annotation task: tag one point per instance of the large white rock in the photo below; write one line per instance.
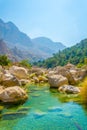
(71, 72)
(38, 71)
(69, 89)
(9, 80)
(19, 72)
(13, 95)
(57, 80)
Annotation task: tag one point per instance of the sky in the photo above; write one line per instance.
(60, 20)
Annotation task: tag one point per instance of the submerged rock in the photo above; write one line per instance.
(54, 109)
(65, 115)
(13, 95)
(69, 89)
(13, 115)
(39, 114)
(24, 109)
(35, 95)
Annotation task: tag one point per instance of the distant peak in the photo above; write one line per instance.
(42, 38)
(12, 25)
(1, 21)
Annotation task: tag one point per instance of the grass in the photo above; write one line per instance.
(83, 92)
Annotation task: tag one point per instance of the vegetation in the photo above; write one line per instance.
(76, 55)
(84, 91)
(25, 63)
(4, 61)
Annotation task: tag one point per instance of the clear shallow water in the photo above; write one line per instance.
(45, 110)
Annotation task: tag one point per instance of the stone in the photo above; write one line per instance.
(13, 95)
(24, 82)
(57, 80)
(54, 109)
(19, 72)
(69, 89)
(9, 80)
(38, 71)
(36, 80)
(66, 73)
(39, 114)
(13, 115)
(1, 88)
(42, 78)
(73, 74)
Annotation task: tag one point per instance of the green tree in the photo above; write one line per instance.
(25, 63)
(4, 61)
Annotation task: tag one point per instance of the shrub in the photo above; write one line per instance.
(84, 92)
(4, 61)
(25, 63)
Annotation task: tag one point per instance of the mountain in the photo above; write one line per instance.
(23, 47)
(4, 50)
(10, 33)
(76, 55)
(47, 46)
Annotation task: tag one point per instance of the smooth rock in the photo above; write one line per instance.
(9, 80)
(57, 80)
(19, 72)
(24, 81)
(69, 89)
(13, 115)
(13, 95)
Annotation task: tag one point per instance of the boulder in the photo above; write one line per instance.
(35, 79)
(24, 82)
(9, 80)
(57, 80)
(66, 73)
(38, 71)
(73, 74)
(1, 88)
(19, 72)
(69, 89)
(70, 66)
(13, 95)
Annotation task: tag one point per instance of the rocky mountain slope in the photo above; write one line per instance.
(33, 49)
(4, 50)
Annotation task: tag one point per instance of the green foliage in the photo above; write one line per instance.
(25, 63)
(4, 61)
(76, 55)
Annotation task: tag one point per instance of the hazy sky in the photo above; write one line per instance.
(61, 20)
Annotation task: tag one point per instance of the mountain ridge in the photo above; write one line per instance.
(76, 55)
(29, 48)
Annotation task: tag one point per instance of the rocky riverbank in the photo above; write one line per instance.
(12, 80)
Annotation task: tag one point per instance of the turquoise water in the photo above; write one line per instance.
(44, 110)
